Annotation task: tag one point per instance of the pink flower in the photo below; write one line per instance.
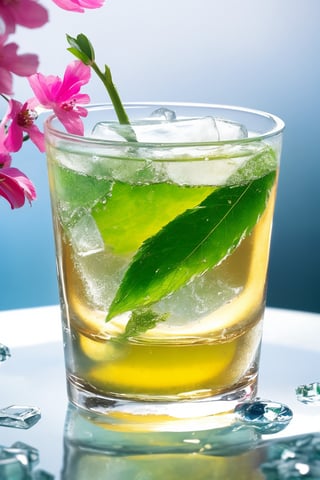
(62, 96)
(78, 5)
(27, 13)
(10, 62)
(5, 157)
(15, 186)
(18, 120)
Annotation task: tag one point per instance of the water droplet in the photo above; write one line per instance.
(19, 416)
(4, 352)
(309, 393)
(264, 415)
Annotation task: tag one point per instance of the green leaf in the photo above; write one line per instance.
(78, 55)
(81, 48)
(193, 242)
(141, 321)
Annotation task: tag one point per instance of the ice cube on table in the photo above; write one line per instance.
(11, 468)
(18, 462)
(309, 393)
(4, 352)
(85, 236)
(26, 454)
(167, 129)
(17, 416)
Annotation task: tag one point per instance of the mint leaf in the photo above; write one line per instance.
(193, 242)
(141, 321)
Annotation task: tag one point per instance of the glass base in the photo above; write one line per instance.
(162, 416)
(87, 434)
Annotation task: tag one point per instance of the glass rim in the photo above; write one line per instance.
(278, 125)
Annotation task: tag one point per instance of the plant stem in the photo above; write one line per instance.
(113, 93)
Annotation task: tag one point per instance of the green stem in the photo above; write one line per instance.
(113, 93)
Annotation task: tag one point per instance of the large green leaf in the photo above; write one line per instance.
(193, 242)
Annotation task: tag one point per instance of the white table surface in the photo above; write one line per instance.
(34, 375)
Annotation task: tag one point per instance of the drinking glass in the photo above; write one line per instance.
(162, 231)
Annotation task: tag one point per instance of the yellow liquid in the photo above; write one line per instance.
(168, 370)
(210, 355)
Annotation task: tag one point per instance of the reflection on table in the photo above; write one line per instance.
(92, 450)
(34, 375)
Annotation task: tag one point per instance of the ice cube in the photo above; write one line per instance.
(293, 457)
(18, 462)
(206, 171)
(309, 393)
(85, 236)
(189, 131)
(4, 352)
(26, 454)
(265, 415)
(11, 467)
(113, 132)
(164, 114)
(19, 416)
(162, 127)
(101, 274)
(230, 130)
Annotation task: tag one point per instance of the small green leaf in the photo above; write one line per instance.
(78, 55)
(81, 48)
(193, 242)
(107, 74)
(141, 321)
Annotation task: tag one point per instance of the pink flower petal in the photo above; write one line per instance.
(15, 187)
(25, 183)
(70, 5)
(71, 121)
(63, 96)
(42, 88)
(76, 75)
(23, 65)
(91, 3)
(19, 119)
(37, 138)
(78, 5)
(14, 139)
(5, 160)
(28, 13)
(6, 81)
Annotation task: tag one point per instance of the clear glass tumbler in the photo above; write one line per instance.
(162, 233)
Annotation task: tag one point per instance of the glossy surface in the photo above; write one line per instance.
(35, 375)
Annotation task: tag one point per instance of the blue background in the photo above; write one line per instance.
(263, 55)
